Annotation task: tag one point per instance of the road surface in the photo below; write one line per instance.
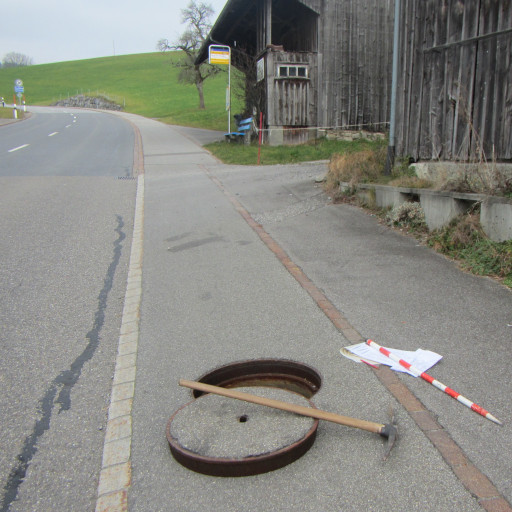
(66, 224)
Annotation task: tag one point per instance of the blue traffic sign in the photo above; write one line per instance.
(18, 86)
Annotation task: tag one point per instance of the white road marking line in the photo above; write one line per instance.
(68, 126)
(52, 134)
(16, 149)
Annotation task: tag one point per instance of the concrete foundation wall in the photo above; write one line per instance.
(389, 196)
(442, 207)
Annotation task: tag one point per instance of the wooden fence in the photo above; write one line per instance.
(454, 99)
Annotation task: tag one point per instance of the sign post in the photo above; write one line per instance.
(18, 90)
(219, 54)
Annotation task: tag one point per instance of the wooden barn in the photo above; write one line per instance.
(454, 97)
(316, 64)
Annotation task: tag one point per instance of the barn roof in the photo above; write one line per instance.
(236, 25)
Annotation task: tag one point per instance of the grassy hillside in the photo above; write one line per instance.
(146, 84)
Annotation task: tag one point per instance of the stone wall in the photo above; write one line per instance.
(88, 102)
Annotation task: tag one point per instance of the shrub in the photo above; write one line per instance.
(409, 215)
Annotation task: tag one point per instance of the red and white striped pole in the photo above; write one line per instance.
(434, 382)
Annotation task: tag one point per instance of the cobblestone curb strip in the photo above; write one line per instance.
(115, 475)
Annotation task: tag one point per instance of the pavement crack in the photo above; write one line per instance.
(63, 382)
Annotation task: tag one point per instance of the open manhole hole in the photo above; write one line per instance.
(220, 436)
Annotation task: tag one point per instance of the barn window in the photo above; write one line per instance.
(292, 71)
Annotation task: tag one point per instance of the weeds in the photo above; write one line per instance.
(368, 167)
(410, 182)
(480, 173)
(464, 240)
(407, 215)
(353, 168)
(482, 178)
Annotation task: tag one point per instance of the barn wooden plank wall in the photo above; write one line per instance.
(355, 54)
(291, 102)
(454, 97)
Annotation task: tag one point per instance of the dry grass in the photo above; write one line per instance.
(465, 241)
(411, 182)
(467, 230)
(353, 168)
(481, 178)
(462, 233)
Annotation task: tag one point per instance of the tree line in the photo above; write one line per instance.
(15, 60)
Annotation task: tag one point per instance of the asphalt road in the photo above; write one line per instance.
(66, 222)
(59, 142)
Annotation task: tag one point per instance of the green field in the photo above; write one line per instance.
(145, 84)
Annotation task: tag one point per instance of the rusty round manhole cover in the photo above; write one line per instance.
(220, 436)
(225, 437)
(276, 373)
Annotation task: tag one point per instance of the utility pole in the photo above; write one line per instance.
(390, 160)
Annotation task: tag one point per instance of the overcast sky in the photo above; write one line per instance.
(58, 30)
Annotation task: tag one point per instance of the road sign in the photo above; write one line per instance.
(18, 86)
(219, 54)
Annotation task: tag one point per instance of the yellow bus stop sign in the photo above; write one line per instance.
(219, 54)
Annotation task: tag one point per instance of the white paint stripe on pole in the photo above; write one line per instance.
(19, 147)
(439, 385)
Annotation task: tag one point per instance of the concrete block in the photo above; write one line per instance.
(440, 209)
(389, 196)
(275, 136)
(496, 219)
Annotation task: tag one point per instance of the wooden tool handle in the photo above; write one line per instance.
(285, 406)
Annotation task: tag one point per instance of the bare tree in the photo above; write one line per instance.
(14, 60)
(246, 88)
(197, 17)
